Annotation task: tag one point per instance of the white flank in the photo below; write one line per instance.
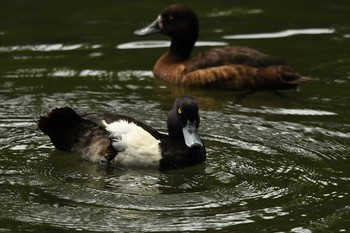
(135, 146)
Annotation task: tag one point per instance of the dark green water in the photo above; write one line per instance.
(275, 164)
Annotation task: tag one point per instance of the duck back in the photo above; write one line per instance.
(217, 57)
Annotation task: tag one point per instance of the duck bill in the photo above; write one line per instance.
(191, 136)
(153, 28)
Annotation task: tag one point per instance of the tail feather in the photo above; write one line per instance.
(281, 77)
(70, 132)
(56, 116)
(303, 80)
(60, 124)
(43, 124)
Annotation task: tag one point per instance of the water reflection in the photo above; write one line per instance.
(48, 47)
(284, 111)
(65, 72)
(235, 11)
(284, 33)
(163, 43)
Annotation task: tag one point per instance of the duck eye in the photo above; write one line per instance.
(179, 110)
(171, 17)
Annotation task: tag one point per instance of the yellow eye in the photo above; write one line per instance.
(171, 17)
(179, 111)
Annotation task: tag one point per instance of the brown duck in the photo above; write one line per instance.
(232, 68)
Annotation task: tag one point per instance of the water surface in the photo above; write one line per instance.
(276, 163)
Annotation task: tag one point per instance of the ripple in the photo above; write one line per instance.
(65, 72)
(48, 47)
(285, 111)
(281, 34)
(235, 11)
(126, 74)
(163, 43)
(264, 165)
(242, 144)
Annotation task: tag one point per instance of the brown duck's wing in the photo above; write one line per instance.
(245, 78)
(232, 55)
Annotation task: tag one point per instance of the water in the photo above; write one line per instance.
(275, 163)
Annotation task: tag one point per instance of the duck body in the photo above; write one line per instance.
(233, 68)
(124, 141)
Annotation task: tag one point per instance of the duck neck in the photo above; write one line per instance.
(180, 49)
(175, 134)
(172, 132)
(174, 126)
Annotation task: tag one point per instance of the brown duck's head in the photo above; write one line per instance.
(178, 22)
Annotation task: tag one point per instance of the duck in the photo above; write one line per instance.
(230, 68)
(122, 141)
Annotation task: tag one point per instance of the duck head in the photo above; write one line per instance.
(183, 121)
(178, 22)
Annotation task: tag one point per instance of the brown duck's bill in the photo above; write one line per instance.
(191, 136)
(153, 28)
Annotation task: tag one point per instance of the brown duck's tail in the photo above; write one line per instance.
(280, 78)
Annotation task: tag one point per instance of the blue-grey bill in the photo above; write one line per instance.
(191, 136)
(150, 29)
